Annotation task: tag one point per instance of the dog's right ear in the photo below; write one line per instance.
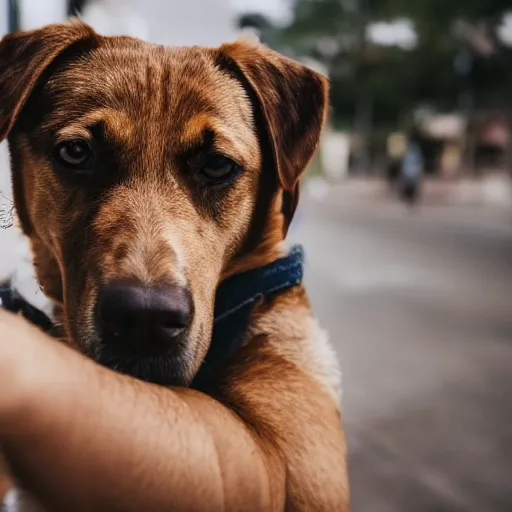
(24, 56)
(293, 101)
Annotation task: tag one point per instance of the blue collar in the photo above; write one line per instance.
(234, 301)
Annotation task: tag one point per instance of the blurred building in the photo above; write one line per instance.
(456, 144)
(203, 22)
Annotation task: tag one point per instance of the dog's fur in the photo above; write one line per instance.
(150, 111)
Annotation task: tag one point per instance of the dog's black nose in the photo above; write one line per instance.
(143, 320)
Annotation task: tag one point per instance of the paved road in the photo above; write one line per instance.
(419, 307)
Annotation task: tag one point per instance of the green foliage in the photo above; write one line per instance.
(395, 80)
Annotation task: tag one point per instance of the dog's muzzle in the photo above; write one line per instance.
(142, 326)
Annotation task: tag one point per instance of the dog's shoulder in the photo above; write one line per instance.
(294, 333)
(285, 384)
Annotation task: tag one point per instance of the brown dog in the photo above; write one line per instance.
(138, 167)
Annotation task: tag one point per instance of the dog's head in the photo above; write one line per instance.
(143, 175)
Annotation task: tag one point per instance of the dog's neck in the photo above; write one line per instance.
(270, 248)
(263, 255)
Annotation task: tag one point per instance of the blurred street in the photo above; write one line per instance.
(418, 305)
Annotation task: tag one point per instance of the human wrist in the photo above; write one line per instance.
(28, 376)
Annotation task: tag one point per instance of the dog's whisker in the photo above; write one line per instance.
(6, 212)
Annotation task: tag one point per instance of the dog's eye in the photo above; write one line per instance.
(76, 154)
(219, 169)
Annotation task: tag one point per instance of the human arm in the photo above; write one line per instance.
(76, 433)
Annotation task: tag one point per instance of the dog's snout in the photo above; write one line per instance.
(142, 319)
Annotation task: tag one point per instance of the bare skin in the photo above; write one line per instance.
(48, 417)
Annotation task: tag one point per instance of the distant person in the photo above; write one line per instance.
(393, 172)
(411, 172)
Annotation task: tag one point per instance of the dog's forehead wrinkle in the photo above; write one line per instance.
(147, 98)
(184, 80)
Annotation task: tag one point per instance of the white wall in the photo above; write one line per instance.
(118, 17)
(5, 183)
(171, 22)
(3, 17)
(36, 13)
(189, 22)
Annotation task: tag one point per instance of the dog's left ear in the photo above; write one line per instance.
(24, 56)
(293, 100)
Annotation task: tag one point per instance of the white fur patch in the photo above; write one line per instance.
(296, 335)
(15, 253)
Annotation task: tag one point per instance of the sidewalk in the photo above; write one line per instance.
(494, 190)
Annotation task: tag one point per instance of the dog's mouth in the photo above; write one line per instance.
(145, 331)
(166, 370)
(156, 356)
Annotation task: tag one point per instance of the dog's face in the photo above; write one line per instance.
(138, 171)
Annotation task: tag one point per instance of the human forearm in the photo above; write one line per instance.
(96, 440)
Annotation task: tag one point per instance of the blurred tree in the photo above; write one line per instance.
(429, 14)
(268, 32)
(457, 61)
(463, 33)
(75, 7)
(456, 51)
